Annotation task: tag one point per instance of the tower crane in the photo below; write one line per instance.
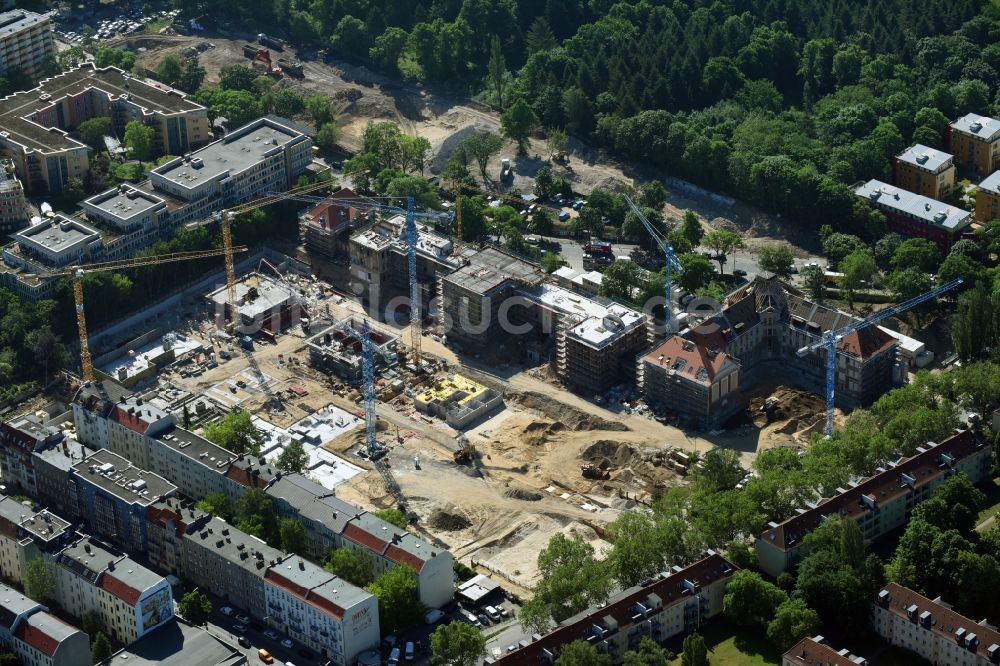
(671, 263)
(830, 340)
(375, 452)
(76, 273)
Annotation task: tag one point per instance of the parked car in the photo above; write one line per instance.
(272, 634)
(244, 641)
(492, 613)
(739, 272)
(287, 643)
(242, 619)
(408, 652)
(265, 656)
(240, 628)
(393, 657)
(484, 620)
(227, 610)
(433, 615)
(563, 216)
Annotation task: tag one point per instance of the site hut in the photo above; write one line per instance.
(924, 170)
(26, 42)
(36, 636)
(974, 140)
(263, 305)
(35, 125)
(915, 215)
(335, 350)
(26, 535)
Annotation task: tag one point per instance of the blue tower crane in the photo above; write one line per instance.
(368, 391)
(830, 339)
(671, 263)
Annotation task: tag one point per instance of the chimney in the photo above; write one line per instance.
(111, 565)
(302, 565)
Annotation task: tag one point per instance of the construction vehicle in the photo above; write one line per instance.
(291, 67)
(506, 171)
(465, 455)
(76, 273)
(250, 50)
(830, 341)
(273, 42)
(594, 472)
(263, 56)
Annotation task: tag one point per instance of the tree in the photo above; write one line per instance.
(93, 131)
(319, 109)
(694, 651)
(579, 112)
(39, 579)
(293, 459)
(195, 607)
(193, 75)
(836, 246)
(918, 253)
(457, 643)
(10, 659)
(139, 139)
(909, 282)
(556, 142)
(571, 580)
(792, 622)
(293, 536)
(580, 653)
(170, 70)
(255, 515)
(388, 48)
(776, 259)
(496, 70)
(815, 282)
(649, 654)
(216, 504)
(620, 278)
(518, 122)
(350, 37)
(858, 268)
(750, 601)
(960, 266)
(698, 272)
(399, 606)
(653, 195)
(100, 648)
(481, 147)
(237, 433)
(353, 566)
(954, 505)
(539, 36)
(393, 516)
(691, 228)
(722, 243)
(327, 135)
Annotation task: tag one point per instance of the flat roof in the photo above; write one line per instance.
(973, 124)
(930, 211)
(178, 644)
(117, 476)
(925, 157)
(991, 183)
(492, 267)
(57, 234)
(43, 525)
(17, 109)
(197, 448)
(123, 202)
(597, 323)
(13, 603)
(16, 20)
(236, 152)
(270, 294)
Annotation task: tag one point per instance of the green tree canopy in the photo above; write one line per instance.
(216, 504)
(458, 644)
(777, 259)
(237, 433)
(750, 600)
(293, 536)
(571, 580)
(195, 607)
(518, 122)
(100, 648)
(139, 138)
(580, 653)
(353, 566)
(399, 606)
(255, 514)
(94, 130)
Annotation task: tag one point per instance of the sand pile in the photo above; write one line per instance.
(448, 521)
(522, 493)
(607, 452)
(572, 418)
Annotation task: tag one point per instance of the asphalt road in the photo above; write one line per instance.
(222, 626)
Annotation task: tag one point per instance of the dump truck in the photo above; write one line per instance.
(250, 50)
(272, 42)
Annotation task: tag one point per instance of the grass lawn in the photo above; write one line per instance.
(734, 646)
(153, 27)
(992, 491)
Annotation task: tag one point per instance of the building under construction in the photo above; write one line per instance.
(337, 349)
(458, 400)
(498, 299)
(705, 374)
(263, 304)
(326, 227)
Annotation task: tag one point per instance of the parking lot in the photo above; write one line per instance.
(70, 28)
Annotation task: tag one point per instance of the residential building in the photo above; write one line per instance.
(52, 469)
(331, 522)
(924, 170)
(130, 599)
(167, 522)
(41, 252)
(812, 651)
(880, 503)
(20, 438)
(675, 602)
(37, 124)
(26, 534)
(988, 198)
(337, 348)
(916, 215)
(703, 375)
(229, 563)
(458, 400)
(262, 304)
(974, 140)
(26, 42)
(324, 613)
(932, 629)
(498, 299)
(114, 496)
(13, 207)
(326, 226)
(36, 636)
(131, 213)
(179, 644)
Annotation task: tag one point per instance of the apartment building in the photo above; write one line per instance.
(26, 534)
(26, 42)
(498, 299)
(316, 609)
(811, 651)
(39, 124)
(916, 215)
(114, 496)
(703, 374)
(932, 629)
(880, 503)
(331, 522)
(36, 636)
(230, 563)
(130, 599)
(20, 438)
(326, 227)
(52, 469)
(48, 247)
(179, 644)
(988, 198)
(675, 602)
(924, 170)
(974, 140)
(13, 207)
(167, 521)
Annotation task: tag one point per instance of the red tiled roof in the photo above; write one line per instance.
(809, 652)
(37, 638)
(116, 587)
(321, 214)
(883, 487)
(130, 421)
(867, 342)
(944, 621)
(670, 590)
(400, 556)
(366, 539)
(243, 477)
(322, 603)
(694, 357)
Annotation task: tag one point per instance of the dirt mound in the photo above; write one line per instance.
(572, 418)
(538, 433)
(349, 95)
(447, 521)
(606, 452)
(787, 411)
(522, 493)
